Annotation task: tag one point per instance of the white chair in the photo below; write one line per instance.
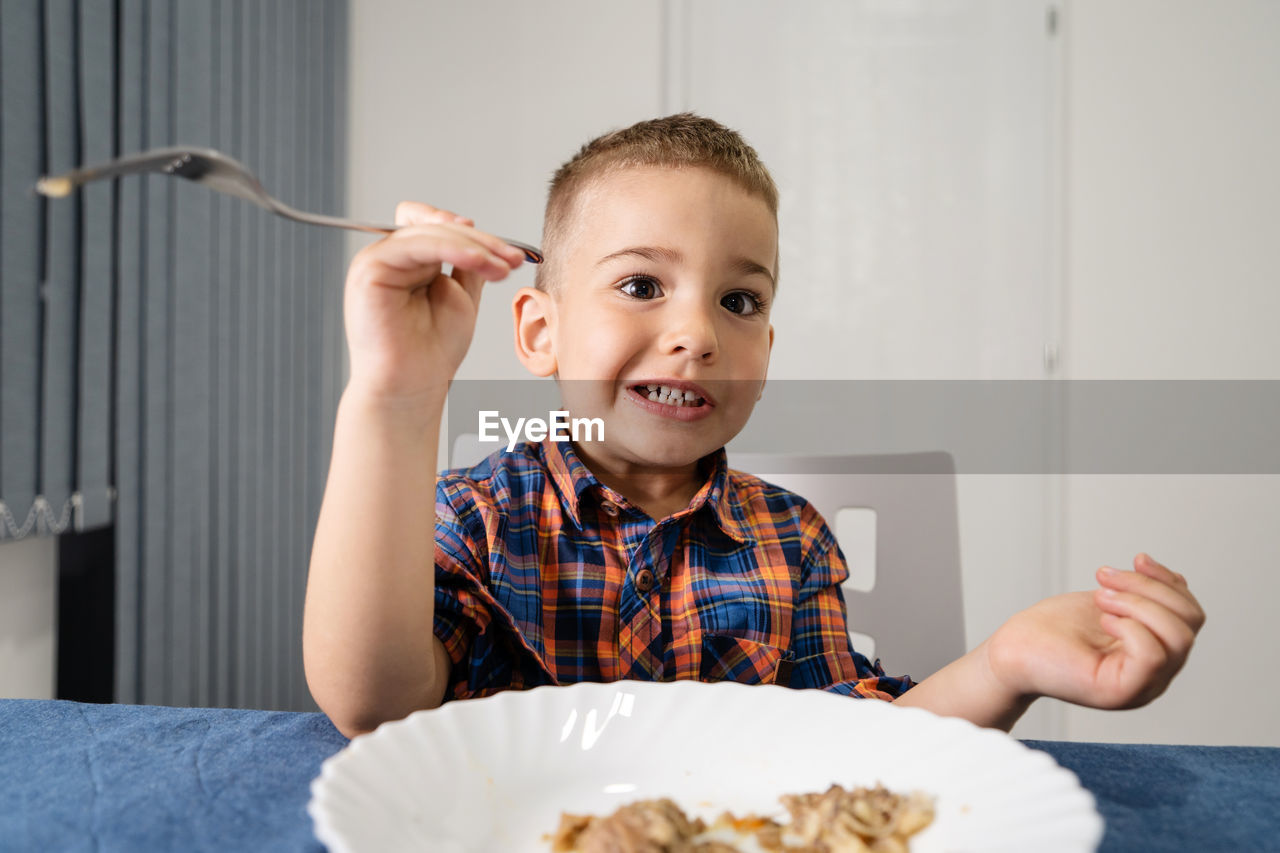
(914, 610)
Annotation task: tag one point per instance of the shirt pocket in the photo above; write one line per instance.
(744, 605)
(726, 658)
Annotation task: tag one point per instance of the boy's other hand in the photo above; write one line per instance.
(1115, 647)
(408, 321)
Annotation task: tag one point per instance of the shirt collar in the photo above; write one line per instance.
(725, 501)
(570, 475)
(572, 478)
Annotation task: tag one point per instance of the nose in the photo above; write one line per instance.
(691, 330)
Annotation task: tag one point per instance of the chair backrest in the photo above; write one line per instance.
(915, 609)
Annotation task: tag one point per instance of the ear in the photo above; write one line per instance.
(761, 394)
(534, 312)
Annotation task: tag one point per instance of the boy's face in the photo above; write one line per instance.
(665, 277)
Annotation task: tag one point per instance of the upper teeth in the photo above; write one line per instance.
(671, 396)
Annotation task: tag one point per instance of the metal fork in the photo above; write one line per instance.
(221, 173)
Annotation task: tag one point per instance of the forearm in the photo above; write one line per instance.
(967, 688)
(367, 639)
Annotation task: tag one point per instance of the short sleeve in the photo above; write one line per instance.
(824, 656)
(460, 560)
(487, 649)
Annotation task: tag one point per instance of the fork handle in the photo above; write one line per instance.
(531, 253)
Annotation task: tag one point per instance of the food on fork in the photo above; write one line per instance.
(835, 821)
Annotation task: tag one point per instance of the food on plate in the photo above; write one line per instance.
(835, 821)
(865, 818)
(647, 825)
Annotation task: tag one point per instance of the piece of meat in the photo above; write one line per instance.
(648, 826)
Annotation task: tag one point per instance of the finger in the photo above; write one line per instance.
(1169, 629)
(497, 245)
(1140, 645)
(415, 254)
(471, 282)
(420, 213)
(1140, 672)
(1175, 597)
(511, 254)
(1147, 564)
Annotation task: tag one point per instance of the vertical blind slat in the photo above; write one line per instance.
(191, 415)
(129, 354)
(21, 226)
(156, 518)
(315, 285)
(97, 275)
(286, 158)
(283, 231)
(249, 376)
(271, 270)
(62, 261)
(310, 75)
(296, 353)
(307, 328)
(286, 231)
(227, 293)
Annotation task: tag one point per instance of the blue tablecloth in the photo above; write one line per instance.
(124, 777)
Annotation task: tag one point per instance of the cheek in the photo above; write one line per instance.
(599, 350)
(751, 347)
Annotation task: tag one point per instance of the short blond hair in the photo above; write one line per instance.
(675, 141)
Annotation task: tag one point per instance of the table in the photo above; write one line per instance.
(126, 777)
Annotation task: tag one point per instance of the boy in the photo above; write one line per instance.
(638, 555)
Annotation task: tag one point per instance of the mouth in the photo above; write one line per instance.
(672, 400)
(678, 395)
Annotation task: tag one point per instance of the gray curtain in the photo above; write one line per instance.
(172, 358)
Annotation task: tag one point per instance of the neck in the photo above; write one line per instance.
(658, 490)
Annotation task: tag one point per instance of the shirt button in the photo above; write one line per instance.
(644, 580)
(610, 508)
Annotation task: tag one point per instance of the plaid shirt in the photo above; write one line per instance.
(544, 575)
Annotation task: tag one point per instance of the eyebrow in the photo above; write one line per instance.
(659, 254)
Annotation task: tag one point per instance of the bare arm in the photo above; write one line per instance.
(368, 645)
(370, 653)
(967, 688)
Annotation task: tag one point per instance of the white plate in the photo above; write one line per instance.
(494, 774)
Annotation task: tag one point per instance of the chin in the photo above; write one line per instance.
(652, 449)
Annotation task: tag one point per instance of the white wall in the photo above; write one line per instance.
(28, 609)
(913, 150)
(472, 106)
(1173, 272)
(1160, 252)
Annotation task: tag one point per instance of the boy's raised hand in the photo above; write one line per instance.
(408, 322)
(1116, 647)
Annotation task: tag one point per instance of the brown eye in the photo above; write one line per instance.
(641, 287)
(741, 302)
